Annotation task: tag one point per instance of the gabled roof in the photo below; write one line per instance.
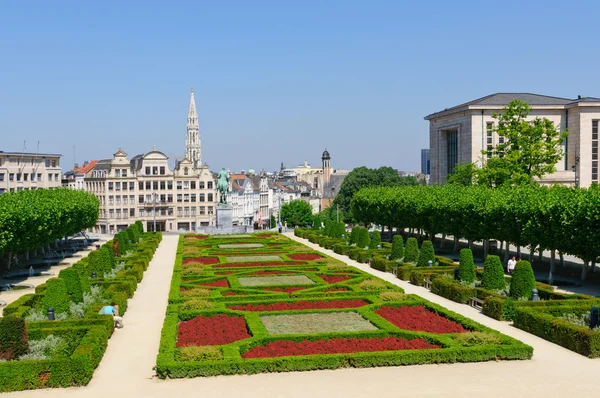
(82, 170)
(503, 99)
(585, 100)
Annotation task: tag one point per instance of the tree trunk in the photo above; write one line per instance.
(443, 242)
(27, 255)
(540, 254)
(562, 259)
(455, 243)
(593, 267)
(584, 270)
(470, 242)
(519, 251)
(9, 259)
(432, 237)
(506, 253)
(552, 258)
(486, 243)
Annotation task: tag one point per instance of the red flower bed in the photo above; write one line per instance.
(305, 256)
(419, 319)
(247, 252)
(269, 273)
(334, 278)
(260, 264)
(201, 260)
(265, 236)
(288, 290)
(203, 247)
(301, 305)
(284, 348)
(196, 237)
(219, 283)
(211, 330)
(233, 294)
(336, 289)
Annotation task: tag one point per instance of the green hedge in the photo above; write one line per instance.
(452, 290)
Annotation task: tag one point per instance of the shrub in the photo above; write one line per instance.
(363, 238)
(341, 248)
(337, 267)
(375, 240)
(45, 348)
(493, 274)
(452, 290)
(327, 229)
(73, 284)
(372, 284)
(196, 304)
(354, 235)
(471, 339)
(397, 248)
(523, 281)
(316, 223)
(411, 252)
(107, 258)
(417, 278)
(392, 296)
(13, 337)
(56, 296)
(466, 270)
(196, 353)
(380, 264)
(427, 254)
(196, 293)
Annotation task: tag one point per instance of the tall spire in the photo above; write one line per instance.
(193, 148)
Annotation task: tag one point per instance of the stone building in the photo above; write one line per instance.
(462, 133)
(23, 171)
(74, 179)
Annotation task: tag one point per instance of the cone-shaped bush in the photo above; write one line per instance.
(427, 254)
(493, 273)
(56, 296)
(340, 229)
(354, 235)
(375, 240)
(522, 281)
(327, 229)
(466, 271)
(411, 251)
(13, 337)
(73, 284)
(363, 238)
(316, 223)
(397, 248)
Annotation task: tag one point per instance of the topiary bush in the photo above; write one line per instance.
(493, 273)
(354, 235)
(108, 258)
(56, 296)
(72, 283)
(397, 248)
(13, 337)
(466, 268)
(379, 263)
(427, 254)
(411, 252)
(316, 223)
(522, 281)
(375, 240)
(363, 238)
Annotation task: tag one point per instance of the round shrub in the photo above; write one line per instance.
(427, 254)
(397, 248)
(363, 238)
(493, 273)
(522, 281)
(466, 268)
(411, 252)
(354, 235)
(375, 240)
(56, 296)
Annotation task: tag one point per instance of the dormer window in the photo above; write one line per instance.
(185, 171)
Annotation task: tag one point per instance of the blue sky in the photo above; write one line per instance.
(276, 80)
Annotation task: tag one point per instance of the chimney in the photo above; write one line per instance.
(85, 163)
(579, 97)
(76, 166)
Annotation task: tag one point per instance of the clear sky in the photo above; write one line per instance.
(276, 80)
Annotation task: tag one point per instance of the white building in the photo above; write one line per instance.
(459, 134)
(74, 179)
(23, 171)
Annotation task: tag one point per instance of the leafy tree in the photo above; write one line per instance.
(523, 281)
(466, 266)
(375, 240)
(272, 222)
(464, 175)
(427, 254)
(397, 248)
(493, 274)
(316, 223)
(411, 251)
(363, 238)
(296, 213)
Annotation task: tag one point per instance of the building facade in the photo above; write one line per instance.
(425, 162)
(461, 134)
(23, 171)
(74, 179)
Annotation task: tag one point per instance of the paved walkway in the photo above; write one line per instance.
(126, 369)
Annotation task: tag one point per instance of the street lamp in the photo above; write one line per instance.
(279, 208)
(575, 168)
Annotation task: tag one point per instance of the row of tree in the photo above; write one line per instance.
(548, 218)
(30, 220)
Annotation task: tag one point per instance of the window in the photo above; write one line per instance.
(202, 197)
(117, 186)
(201, 185)
(56, 177)
(54, 163)
(111, 213)
(124, 199)
(210, 210)
(132, 199)
(594, 151)
(193, 197)
(169, 184)
(141, 185)
(179, 211)
(186, 211)
(202, 210)
(162, 170)
(186, 185)
(186, 197)
(148, 186)
(193, 184)
(169, 198)
(132, 186)
(209, 185)
(452, 150)
(47, 163)
(500, 139)
(163, 198)
(117, 172)
(25, 177)
(124, 173)
(179, 184)
(147, 170)
(155, 170)
(110, 186)
(155, 185)
(193, 208)
(1, 176)
(11, 176)
(210, 197)
(118, 213)
(131, 212)
(163, 185)
(179, 198)
(124, 186)
(185, 171)
(140, 198)
(39, 177)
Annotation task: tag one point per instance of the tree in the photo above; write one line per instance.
(523, 281)
(411, 251)
(464, 175)
(375, 240)
(397, 248)
(354, 235)
(493, 274)
(363, 238)
(316, 222)
(427, 254)
(466, 271)
(296, 213)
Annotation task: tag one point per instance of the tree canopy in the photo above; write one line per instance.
(297, 213)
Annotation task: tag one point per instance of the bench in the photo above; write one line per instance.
(476, 302)
(427, 284)
(395, 271)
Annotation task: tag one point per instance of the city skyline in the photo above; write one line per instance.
(273, 82)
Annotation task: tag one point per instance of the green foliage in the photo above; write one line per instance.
(392, 296)
(379, 263)
(397, 248)
(316, 223)
(463, 175)
(296, 213)
(13, 337)
(375, 240)
(427, 254)
(493, 273)
(195, 353)
(363, 238)
(196, 304)
(56, 296)
(452, 290)
(354, 235)
(108, 258)
(72, 283)
(411, 251)
(472, 339)
(372, 284)
(466, 271)
(522, 281)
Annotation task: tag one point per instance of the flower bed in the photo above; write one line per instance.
(275, 280)
(288, 290)
(219, 283)
(419, 318)
(334, 278)
(201, 260)
(319, 322)
(336, 289)
(233, 294)
(284, 348)
(300, 305)
(196, 237)
(305, 256)
(257, 273)
(211, 330)
(260, 264)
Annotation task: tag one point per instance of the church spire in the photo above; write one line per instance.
(192, 144)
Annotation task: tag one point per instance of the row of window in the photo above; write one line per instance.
(29, 176)
(32, 161)
(595, 151)
(181, 198)
(157, 185)
(163, 211)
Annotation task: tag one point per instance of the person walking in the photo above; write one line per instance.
(511, 264)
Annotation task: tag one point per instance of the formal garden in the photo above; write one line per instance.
(264, 303)
(56, 336)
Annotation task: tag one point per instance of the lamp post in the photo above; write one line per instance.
(575, 168)
(154, 197)
(279, 208)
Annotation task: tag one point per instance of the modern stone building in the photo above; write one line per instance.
(459, 134)
(23, 171)
(145, 188)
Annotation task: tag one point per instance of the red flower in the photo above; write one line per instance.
(334, 278)
(288, 290)
(305, 256)
(300, 305)
(211, 330)
(419, 319)
(219, 283)
(201, 260)
(283, 348)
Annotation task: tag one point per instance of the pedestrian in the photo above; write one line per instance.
(511, 264)
(112, 310)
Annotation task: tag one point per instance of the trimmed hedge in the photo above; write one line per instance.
(452, 290)
(466, 268)
(522, 281)
(427, 254)
(72, 283)
(363, 238)
(411, 251)
(493, 274)
(375, 240)
(13, 337)
(56, 296)
(397, 248)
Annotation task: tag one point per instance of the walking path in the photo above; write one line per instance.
(126, 369)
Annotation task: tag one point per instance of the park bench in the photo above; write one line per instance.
(427, 284)
(476, 302)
